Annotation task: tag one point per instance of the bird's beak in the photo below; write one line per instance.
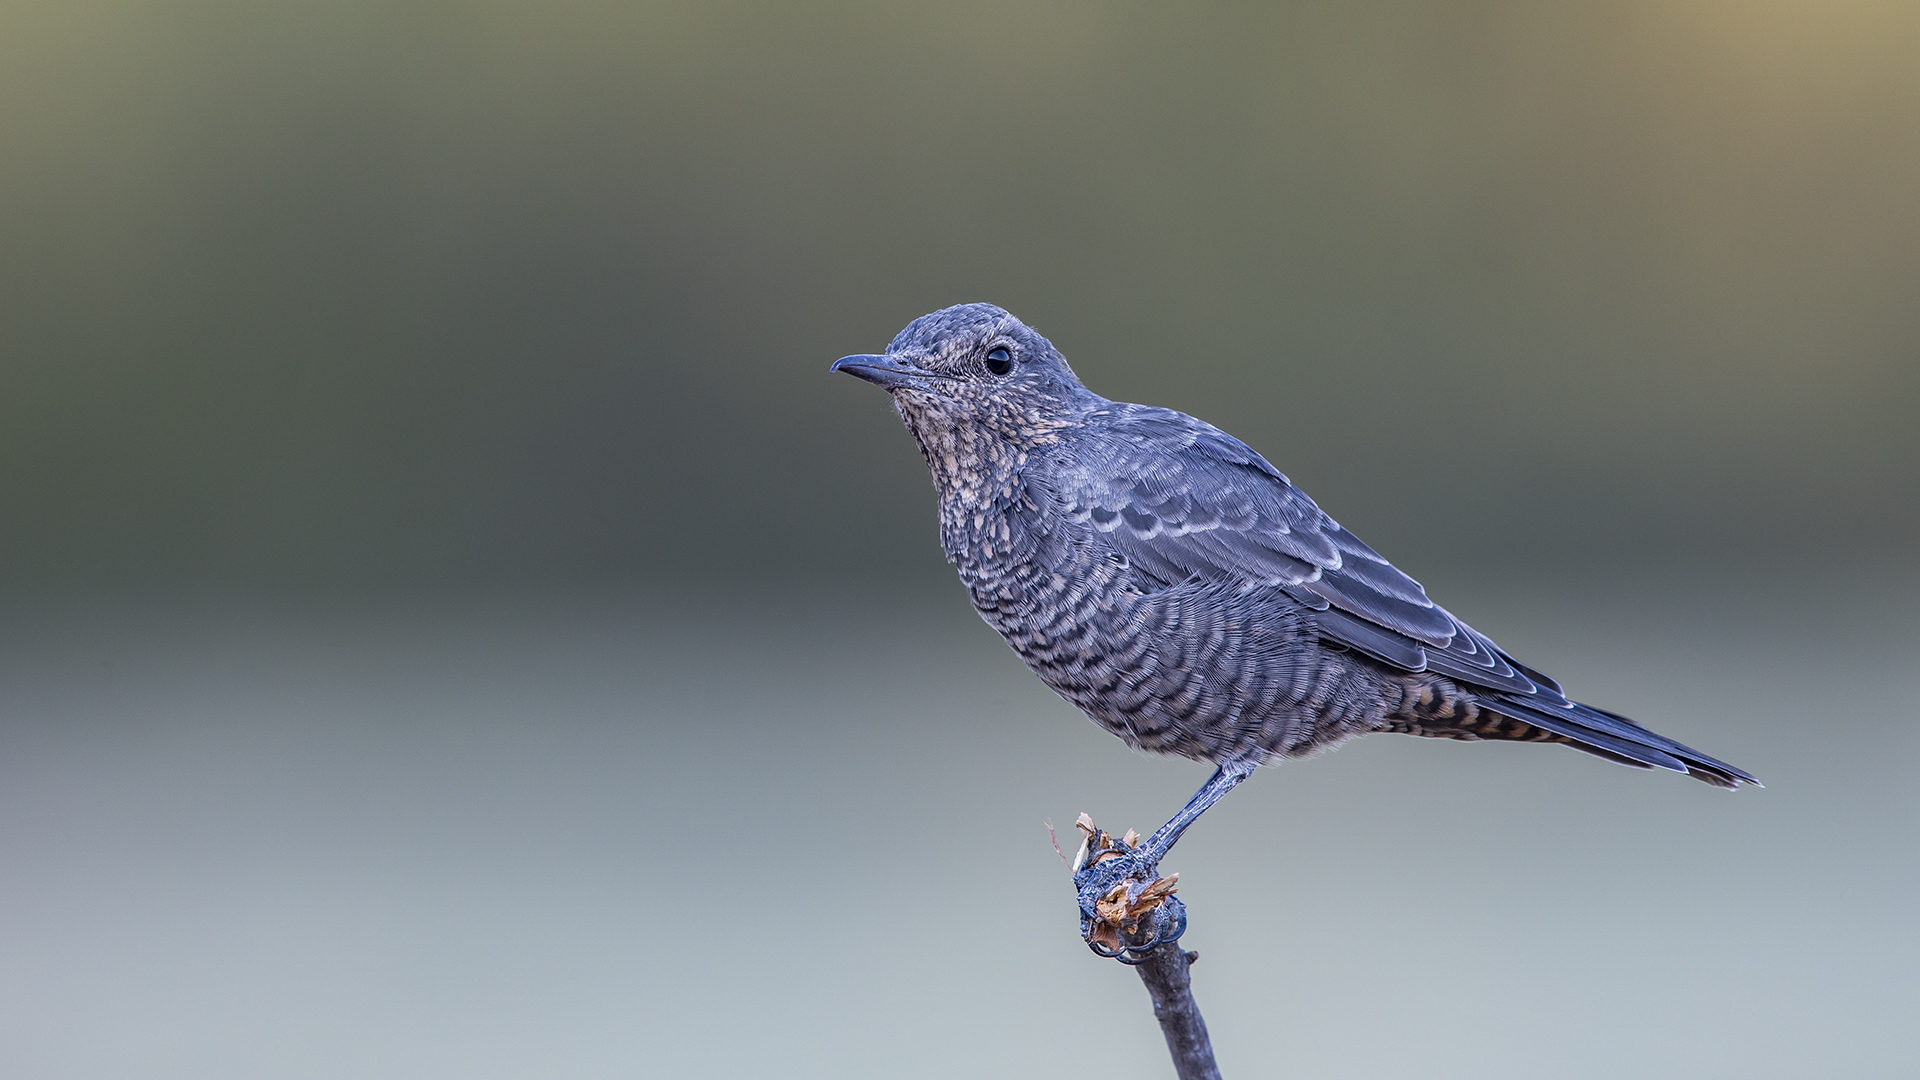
(886, 372)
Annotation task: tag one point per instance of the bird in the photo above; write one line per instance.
(1167, 580)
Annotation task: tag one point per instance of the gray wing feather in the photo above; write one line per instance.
(1180, 499)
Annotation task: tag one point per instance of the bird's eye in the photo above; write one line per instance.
(999, 360)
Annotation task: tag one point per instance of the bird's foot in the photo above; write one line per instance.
(1127, 909)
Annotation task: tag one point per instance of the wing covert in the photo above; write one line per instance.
(1181, 499)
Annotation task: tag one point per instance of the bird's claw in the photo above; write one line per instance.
(1126, 909)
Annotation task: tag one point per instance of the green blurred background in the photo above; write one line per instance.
(436, 560)
(306, 293)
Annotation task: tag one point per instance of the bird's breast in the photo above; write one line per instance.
(1197, 670)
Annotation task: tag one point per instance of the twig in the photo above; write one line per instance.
(1171, 988)
(1129, 913)
(1054, 839)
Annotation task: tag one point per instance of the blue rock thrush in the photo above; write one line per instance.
(1164, 578)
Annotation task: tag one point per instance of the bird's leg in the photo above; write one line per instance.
(1126, 909)
(1224, 779)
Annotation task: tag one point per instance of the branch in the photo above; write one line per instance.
(1168, 984)
(1129, 913)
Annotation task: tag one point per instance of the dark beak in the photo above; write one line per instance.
(886, 372)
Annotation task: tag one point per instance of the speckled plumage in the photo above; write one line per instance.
(1168, 581)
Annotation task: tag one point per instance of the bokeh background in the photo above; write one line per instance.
(453, 626)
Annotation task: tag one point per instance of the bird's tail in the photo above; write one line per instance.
(1616, 738)
(1539, 718)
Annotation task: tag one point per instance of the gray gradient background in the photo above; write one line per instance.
(454, 627)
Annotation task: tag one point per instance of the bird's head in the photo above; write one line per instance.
(973, 369)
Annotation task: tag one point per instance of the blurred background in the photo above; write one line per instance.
(452, 625)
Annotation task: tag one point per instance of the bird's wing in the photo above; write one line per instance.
(1181, 499)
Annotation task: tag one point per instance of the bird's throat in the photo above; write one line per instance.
(976, 472)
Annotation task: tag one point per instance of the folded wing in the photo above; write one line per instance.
(1181, 499)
